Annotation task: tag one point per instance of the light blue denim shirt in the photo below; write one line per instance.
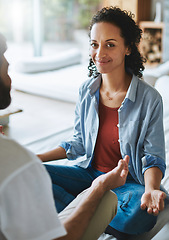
(141, 134)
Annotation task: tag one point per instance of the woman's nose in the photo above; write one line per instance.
(100, 53)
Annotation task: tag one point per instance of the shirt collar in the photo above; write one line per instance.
(131, 92)
(94, 84)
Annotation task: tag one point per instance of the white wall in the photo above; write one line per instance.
(153, 8)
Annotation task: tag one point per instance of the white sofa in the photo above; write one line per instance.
(58, 77)
(61, 84)
(48, 63)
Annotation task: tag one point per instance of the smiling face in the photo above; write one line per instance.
(108, 48)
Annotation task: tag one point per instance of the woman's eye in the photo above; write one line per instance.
(110, 45)
(94, 45)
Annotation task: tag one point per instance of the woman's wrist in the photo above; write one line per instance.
(40, 156)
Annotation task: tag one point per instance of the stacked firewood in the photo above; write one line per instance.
(151, 45)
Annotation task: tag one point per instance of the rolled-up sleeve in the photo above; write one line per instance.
(149, 161)
(154, 144)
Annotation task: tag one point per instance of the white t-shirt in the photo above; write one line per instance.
(27, 209)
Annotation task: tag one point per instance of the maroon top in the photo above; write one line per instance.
(107, 148)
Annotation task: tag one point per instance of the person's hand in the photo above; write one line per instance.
(1, 129)
(39, 156)
(115, 178)
(153, 201)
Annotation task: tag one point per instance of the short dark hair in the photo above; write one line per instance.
(3, 46)
(5, 97)
(131, 33)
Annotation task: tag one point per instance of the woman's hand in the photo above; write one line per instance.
(153, 198)
(115, 178)
(153, 201)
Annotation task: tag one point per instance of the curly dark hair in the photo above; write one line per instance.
(131, 33)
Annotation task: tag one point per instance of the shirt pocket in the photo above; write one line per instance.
(133, 131)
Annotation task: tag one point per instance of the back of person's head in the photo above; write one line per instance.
(130, 32)
(3, 46)
(5, 82)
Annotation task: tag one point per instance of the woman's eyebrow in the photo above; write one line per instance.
(111, 39)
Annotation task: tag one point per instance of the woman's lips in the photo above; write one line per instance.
(102, 62)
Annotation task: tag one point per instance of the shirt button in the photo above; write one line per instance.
(118, 140)
(118, 125)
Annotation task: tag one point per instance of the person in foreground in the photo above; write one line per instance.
(117, 114)
(27, 209)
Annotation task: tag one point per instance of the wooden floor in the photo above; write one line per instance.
(41, 117)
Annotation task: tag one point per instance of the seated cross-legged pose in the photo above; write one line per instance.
(27, 209)
(117, 114)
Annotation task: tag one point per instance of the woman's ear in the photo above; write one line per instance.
(128, 51)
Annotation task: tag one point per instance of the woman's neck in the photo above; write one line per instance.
(116, 82)
(113, 89)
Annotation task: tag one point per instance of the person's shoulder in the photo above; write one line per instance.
(9, 146)
(86, 83)
(149, 90)
(13, 157)
(89, 82)
(89, 85)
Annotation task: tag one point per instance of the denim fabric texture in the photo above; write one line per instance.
(69, 181)
(141, 134)
(130, 217)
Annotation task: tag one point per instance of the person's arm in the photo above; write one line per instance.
(153, 198)
(77, 223)
(55, 154)
(154, 160)
(69, 149)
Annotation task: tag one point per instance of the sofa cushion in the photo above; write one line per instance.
(162, 85)
(48, 63)
(151, 75)
(62, 84)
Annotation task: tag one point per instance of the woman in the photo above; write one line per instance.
(117, 114)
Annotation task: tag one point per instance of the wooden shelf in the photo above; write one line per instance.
(141, 8)
(151, 46)
(151, 24)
